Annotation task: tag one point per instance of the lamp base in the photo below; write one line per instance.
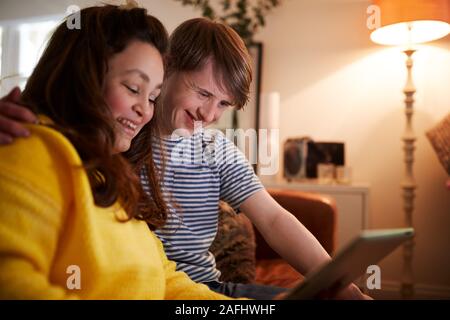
(407, 290)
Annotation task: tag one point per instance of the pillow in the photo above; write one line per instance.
(234, 246)
(439, 137)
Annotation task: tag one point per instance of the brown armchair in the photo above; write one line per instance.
(242, 254)
(317, 213)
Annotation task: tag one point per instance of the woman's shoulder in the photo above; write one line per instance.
(43, 143)
(46, 157)
(43, 164)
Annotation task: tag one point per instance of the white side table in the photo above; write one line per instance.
(352, 202)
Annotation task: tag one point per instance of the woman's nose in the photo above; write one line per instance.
(145, 112)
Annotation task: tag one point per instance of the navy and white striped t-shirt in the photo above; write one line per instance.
(200, 170)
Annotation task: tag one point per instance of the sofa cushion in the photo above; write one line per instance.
(276, 272)
(234, 246)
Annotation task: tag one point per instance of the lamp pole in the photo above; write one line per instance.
(408, 184)
(408, 22)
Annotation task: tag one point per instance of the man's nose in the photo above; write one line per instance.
(206, 112)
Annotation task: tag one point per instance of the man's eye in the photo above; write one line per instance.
(204, 94)
(225, 104)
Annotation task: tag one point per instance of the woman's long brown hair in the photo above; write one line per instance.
(66, 86)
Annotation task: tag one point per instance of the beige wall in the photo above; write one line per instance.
(337, 85)
(170, 12)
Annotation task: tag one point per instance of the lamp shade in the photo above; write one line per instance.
(411, 21)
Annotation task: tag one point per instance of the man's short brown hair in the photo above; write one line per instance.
(197, 40)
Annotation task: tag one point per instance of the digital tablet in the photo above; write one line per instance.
(351, 262)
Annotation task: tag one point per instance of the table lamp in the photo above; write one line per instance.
(405, 23)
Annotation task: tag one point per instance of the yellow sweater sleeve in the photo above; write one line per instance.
(180, 287)
(32, 193)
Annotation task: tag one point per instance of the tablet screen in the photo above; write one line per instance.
(370, 247)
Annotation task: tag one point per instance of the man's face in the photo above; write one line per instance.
(194, 96)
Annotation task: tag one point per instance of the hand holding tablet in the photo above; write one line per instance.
(370, 247)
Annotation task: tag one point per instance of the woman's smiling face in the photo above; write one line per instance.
(132, 84)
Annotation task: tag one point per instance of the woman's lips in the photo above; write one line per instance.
(129, 127)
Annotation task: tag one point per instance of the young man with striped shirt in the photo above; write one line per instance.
(208, 71)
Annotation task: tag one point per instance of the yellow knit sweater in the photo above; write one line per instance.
(56, 244)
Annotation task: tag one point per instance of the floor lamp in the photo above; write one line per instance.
(405, 23)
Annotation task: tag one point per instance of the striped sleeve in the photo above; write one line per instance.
(238, 180)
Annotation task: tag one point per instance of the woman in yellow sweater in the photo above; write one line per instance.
(73, 217)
